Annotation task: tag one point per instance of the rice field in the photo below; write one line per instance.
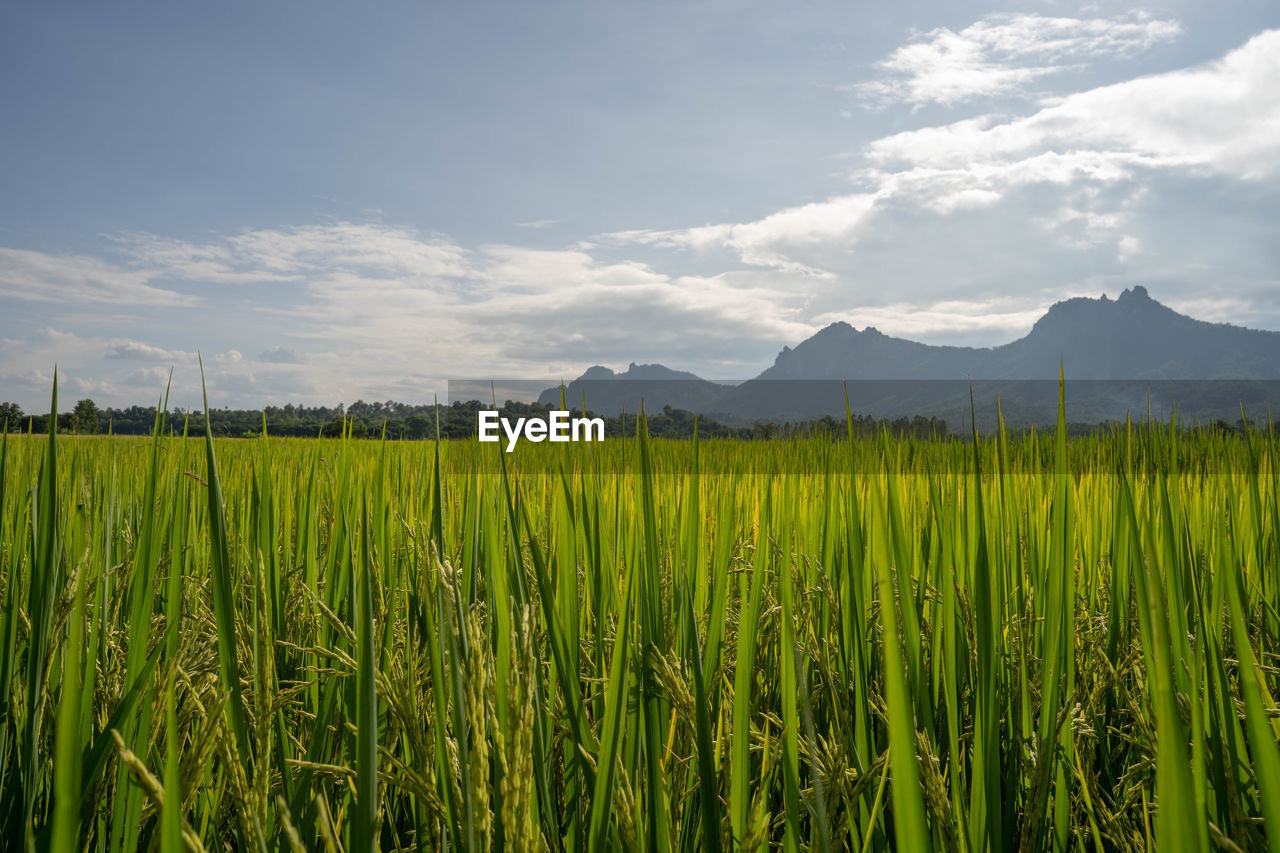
(844, 643)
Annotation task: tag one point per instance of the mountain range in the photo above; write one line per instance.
(1118, 356)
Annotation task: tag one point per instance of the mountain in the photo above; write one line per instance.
(842, 352)
(611, 393)
(1132, 337)
(1116, 354)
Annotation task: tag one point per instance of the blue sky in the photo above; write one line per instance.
(333, 201)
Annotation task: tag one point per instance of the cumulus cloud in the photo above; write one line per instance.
(1003, 53)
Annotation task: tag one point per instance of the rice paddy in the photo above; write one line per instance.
(824, 643)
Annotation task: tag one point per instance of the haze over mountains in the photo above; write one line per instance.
(1113, 352)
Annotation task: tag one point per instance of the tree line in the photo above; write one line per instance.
(406, 421)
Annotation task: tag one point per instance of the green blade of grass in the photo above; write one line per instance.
(366, 818)
(612, 729)
(224, 607)
(910, 828)
(66, 764)
(44, 583)
(708, 780)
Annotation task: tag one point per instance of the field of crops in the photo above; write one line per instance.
(811, 644)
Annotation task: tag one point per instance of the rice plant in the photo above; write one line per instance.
(984, 643)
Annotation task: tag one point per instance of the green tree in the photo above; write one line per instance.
(84, 417)
(10, 416)
(419, 426)
(333, 429)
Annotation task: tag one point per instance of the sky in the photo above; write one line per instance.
(332, 201)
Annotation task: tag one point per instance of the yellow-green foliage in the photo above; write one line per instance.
(338, 644)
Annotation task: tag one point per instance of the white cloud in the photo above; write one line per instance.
(87, 368)
(379, 249)
(1003, 318)
(583, 306)
(291, 254)
(139, 351)
(1222, 117)
(1001, 54)
(77, 279)
(773, 240)
(147, 378)
(27, 367)
(82, 385)
(517, 307)
(209, 263)
(392, 313)
(281, 355)
(1069, 198)
(263, 256)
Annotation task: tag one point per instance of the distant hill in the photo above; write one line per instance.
(1115, 354)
